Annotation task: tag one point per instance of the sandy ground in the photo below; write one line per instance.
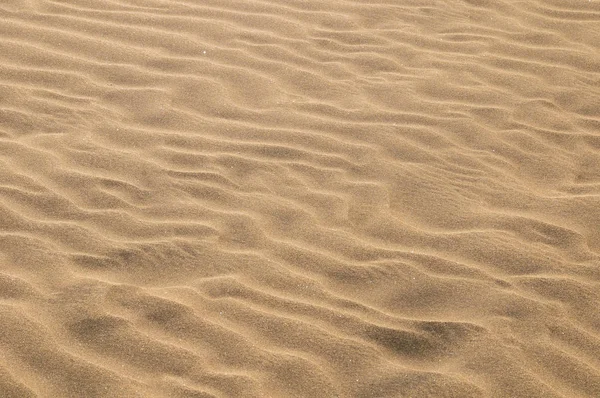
(286, 198)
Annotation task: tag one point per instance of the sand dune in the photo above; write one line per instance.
(299, 198)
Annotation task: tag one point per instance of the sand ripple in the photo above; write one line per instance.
(299, 199)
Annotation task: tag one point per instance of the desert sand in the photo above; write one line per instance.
(299, 198)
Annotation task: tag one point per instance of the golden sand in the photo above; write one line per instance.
(286, 198)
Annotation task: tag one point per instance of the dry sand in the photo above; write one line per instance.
(292, 198)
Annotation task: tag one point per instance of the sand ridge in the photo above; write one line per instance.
(326, 198)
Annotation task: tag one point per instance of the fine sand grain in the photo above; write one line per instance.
(299, 198)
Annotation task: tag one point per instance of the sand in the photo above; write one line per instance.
(286, 198)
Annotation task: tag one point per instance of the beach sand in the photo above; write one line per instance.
(285, 198)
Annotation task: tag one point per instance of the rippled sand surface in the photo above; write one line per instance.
(286, 198)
